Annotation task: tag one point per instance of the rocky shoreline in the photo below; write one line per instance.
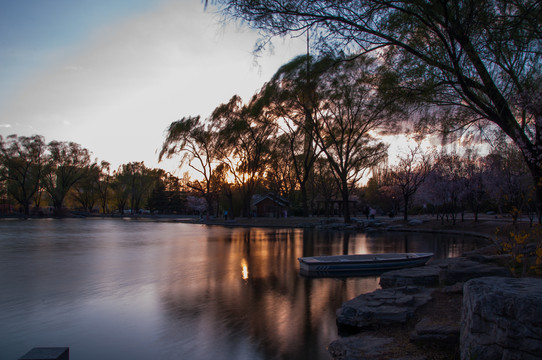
(438, 312)
(434, 311)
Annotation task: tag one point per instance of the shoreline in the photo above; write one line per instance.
(487, 226)
(446, 304)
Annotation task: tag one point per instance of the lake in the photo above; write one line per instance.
(119, 289)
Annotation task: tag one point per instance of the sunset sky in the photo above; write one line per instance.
(112, 75)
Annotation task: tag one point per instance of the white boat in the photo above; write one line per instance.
(346, 264)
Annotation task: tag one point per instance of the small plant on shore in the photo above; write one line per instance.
(525, 248)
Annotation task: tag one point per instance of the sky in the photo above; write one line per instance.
(112, 75)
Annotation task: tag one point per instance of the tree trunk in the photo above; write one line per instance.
(536, 173)
(405, 215)
(27, 208)
(346, 207)
(538, 184)
(304, 199)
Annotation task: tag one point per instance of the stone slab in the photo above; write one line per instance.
(463, 270)
(427, 275)
(434, 332)
(47, 353)
(368, 347)
(383, 307)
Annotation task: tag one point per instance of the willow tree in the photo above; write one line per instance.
(196, 142)
(290, 100)
(349, 114)
(479, 60)
(135, 182)
(245, 138)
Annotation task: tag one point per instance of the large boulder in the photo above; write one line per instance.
(502, 319)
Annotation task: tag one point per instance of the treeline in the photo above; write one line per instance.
(449, 184)
(315, 130)
(39, 178)
(311, 135)
(49, 179)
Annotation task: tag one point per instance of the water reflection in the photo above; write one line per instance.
(116, 289)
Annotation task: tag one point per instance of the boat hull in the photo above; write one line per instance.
(344, 265)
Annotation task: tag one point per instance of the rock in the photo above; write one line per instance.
(436, 333)
(456, 288)
(492, 249)
(501, 260)
(419, 276)
(363, 347)
(463, 270)
(367, 347)
(502, 319)
(383, 307)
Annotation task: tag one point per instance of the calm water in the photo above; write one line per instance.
(114, 289)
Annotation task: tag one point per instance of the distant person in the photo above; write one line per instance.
(366, 212)
(372, 213)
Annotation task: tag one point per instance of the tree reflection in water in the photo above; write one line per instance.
(268, 310)
(141, 290)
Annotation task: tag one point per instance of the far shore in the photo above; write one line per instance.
(487, 226)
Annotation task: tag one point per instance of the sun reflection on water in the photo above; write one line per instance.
(244, 271)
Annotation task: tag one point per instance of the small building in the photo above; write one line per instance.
(270, 205)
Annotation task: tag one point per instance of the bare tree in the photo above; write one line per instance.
(408, 175)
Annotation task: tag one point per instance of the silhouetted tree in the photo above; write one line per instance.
(507, 181)
(67, 163)
(446, 184)
(478, 60)
(103, 185)
(409, 173)
(280, 177)
(291, 101)
(21, 167)
(196, 142)
(244, 143)
(348, 113)
(86, 190)
(135, 181)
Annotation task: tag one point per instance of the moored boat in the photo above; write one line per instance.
(346, 264)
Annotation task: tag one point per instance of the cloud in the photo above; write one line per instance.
(119, 91)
